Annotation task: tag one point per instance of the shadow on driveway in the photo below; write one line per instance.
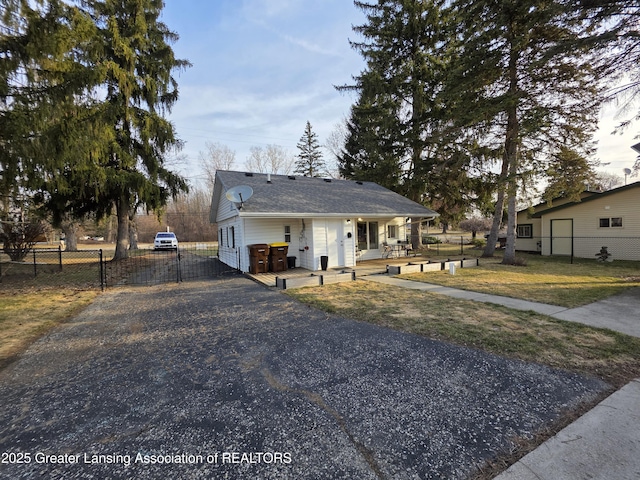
(226, 377)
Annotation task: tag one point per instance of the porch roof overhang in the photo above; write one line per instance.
(331, 215)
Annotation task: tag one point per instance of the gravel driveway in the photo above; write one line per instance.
(229, 379)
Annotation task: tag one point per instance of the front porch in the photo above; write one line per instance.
(302, 277)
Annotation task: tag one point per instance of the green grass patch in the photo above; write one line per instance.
(26, 315)
(527, 336)
(550, 280)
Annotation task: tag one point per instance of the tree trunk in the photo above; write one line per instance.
(511, 152)
(508, 175)
(122, 240)
(133, 232)
(490, 247)
(70, 230)
(416, 240)
(510, 248)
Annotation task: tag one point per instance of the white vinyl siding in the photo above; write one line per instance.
(229, 242)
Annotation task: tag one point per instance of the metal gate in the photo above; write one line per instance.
(150, 267)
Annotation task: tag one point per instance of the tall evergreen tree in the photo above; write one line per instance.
(520, 69)
(101, 84)
(140, 89)
(371, 146)
(43, 84)
(406, 53)
(310, 162)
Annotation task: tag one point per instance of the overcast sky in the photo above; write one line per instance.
(262, 68)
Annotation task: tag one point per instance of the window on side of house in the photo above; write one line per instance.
(392, 231)
(221, 239)
(525, 230)
(612, 222)
(287, 233)
(233, 237)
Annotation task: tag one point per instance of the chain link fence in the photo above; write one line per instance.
(596, 248)
(151, 267)
(93, 269)
(51, 267)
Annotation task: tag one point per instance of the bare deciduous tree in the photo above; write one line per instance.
(335, 146)
(216, 157)
(475, 225)
(271, 159)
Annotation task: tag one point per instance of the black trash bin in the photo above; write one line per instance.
(324, 261)
(291, 262)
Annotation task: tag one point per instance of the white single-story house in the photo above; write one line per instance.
(581, 229)
(343, 220)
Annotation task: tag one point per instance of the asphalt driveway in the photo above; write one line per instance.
(228, 379)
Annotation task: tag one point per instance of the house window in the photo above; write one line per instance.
(613, 222)
(362, 236)
(221, 239)
(392, 231)
(227, 230)
(373, 235)
(287, 233)
(233, 237)
(368, 236)
(525, 230)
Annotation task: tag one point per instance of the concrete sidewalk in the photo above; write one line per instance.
(604, 443)
(620, 312)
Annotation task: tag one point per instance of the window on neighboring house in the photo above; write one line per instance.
(525, 230)
(392, 231)
(227, 232)
(287, 233)
(613, 222)
(221, 239)
(233, 237)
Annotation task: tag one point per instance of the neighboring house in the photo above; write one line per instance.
(610, 219)
(529, 224)
(341, 219)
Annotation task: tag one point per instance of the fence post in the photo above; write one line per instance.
(60, 256)
(102, 278)
(178, 266)
(35, 268)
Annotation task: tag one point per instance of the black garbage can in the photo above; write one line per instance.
(291, 262)
(324, 261)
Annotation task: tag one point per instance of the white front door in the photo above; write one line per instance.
(335, 243)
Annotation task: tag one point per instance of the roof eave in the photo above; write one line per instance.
(245, 214)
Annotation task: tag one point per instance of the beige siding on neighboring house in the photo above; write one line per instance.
(589, 236)
(525, 244)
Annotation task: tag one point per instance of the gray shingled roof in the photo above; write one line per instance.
(289, 196)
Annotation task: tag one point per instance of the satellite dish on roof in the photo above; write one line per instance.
(239, 194)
